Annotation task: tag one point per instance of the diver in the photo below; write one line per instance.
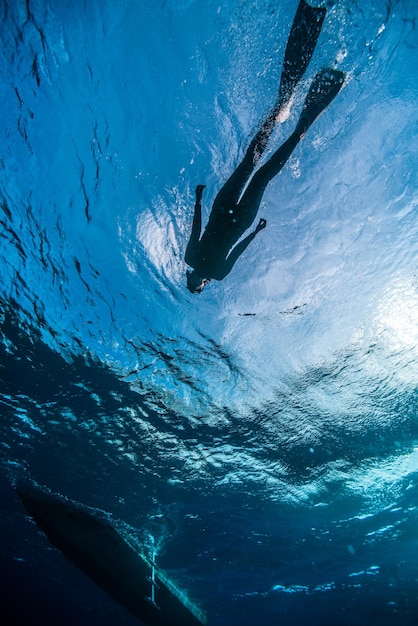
(213, 255)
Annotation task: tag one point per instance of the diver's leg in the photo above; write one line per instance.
(231, 191)
(250, 202)
(325, 86)
(300, 46)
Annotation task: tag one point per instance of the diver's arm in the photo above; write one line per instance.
(239, 249)
(196, 226)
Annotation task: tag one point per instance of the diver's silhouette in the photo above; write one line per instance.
(213, 255)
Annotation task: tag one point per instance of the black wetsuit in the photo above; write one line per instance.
(213, 255)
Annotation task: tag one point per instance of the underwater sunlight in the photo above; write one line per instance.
(251, 440)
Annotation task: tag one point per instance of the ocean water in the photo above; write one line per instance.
(262, 436)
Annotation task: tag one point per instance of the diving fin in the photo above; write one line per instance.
(301, 44)
(325, 86)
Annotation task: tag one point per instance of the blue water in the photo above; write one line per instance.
(264, 434)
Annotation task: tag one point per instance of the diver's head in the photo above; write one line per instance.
(195, 283)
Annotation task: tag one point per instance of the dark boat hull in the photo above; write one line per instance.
(110, 559)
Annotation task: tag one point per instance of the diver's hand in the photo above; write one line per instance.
(261, 224)
(199, 191)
